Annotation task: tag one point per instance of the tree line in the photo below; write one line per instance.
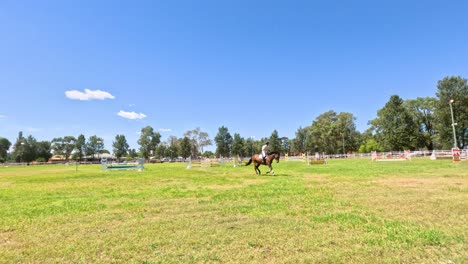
(421, 123)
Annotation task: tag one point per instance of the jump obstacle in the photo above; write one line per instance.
(458, 155)
(123, 166)
(391, 156)
(205, 163)
(316, 160)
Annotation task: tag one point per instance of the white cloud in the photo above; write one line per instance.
(165, 129)
(131, 115)
(131, 105)
(3, 116)
(88, 95)
(33, 129)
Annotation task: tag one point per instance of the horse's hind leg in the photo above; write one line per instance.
(257, 170)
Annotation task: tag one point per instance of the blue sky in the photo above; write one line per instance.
(252, 66)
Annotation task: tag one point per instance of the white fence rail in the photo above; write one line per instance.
(424, 154)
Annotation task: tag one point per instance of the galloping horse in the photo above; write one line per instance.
(257, 160)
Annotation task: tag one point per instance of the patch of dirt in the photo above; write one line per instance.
(5, 184)
(316, 177)
(6, 236)
(235, 186)
(423, 182)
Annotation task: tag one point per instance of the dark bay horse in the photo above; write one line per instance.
(257, 160)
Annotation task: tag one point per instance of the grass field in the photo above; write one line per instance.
(349, 211)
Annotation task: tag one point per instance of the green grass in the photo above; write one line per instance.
(349, 211)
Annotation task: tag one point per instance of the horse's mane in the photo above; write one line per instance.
(273, 153)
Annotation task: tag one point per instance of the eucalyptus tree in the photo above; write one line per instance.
(148, 141)
(63, 146)
(94, 146)
(198, 139)
(80, 146)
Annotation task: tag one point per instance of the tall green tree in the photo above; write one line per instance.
(25, 149)
(422, 109)
(299, 142)
(275, 142)
(452, 88)
(368, 142)
(208, 154)
(286, 144)
(223, 142)
(185, 147)
(132, 153)
(94, 146)
(148, 141)
(30, 149)
(5, 145)
(394, 126)
(192, 135)
(333, 133)
(249, 147)
(64, 146)
(120, 146)
(237, 146)
(322, 136)
(18, 147)
(370, 145)
(174, 147)
(43, 149)
(161, 150)
(80, 146)
(346, 128)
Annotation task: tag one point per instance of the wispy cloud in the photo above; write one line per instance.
(33, 129)
(88, 95)
(3, 116)
(165, 129)
(131, 115)
(131, 105)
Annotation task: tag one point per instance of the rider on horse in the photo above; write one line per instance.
(265, 149)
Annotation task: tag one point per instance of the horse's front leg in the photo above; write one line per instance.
(271, 170)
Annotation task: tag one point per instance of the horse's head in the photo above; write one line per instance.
(276, 156)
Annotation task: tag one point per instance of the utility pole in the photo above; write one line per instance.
(453, 125)
(344, 153)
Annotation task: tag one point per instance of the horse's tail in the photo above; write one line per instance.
(248, 163)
